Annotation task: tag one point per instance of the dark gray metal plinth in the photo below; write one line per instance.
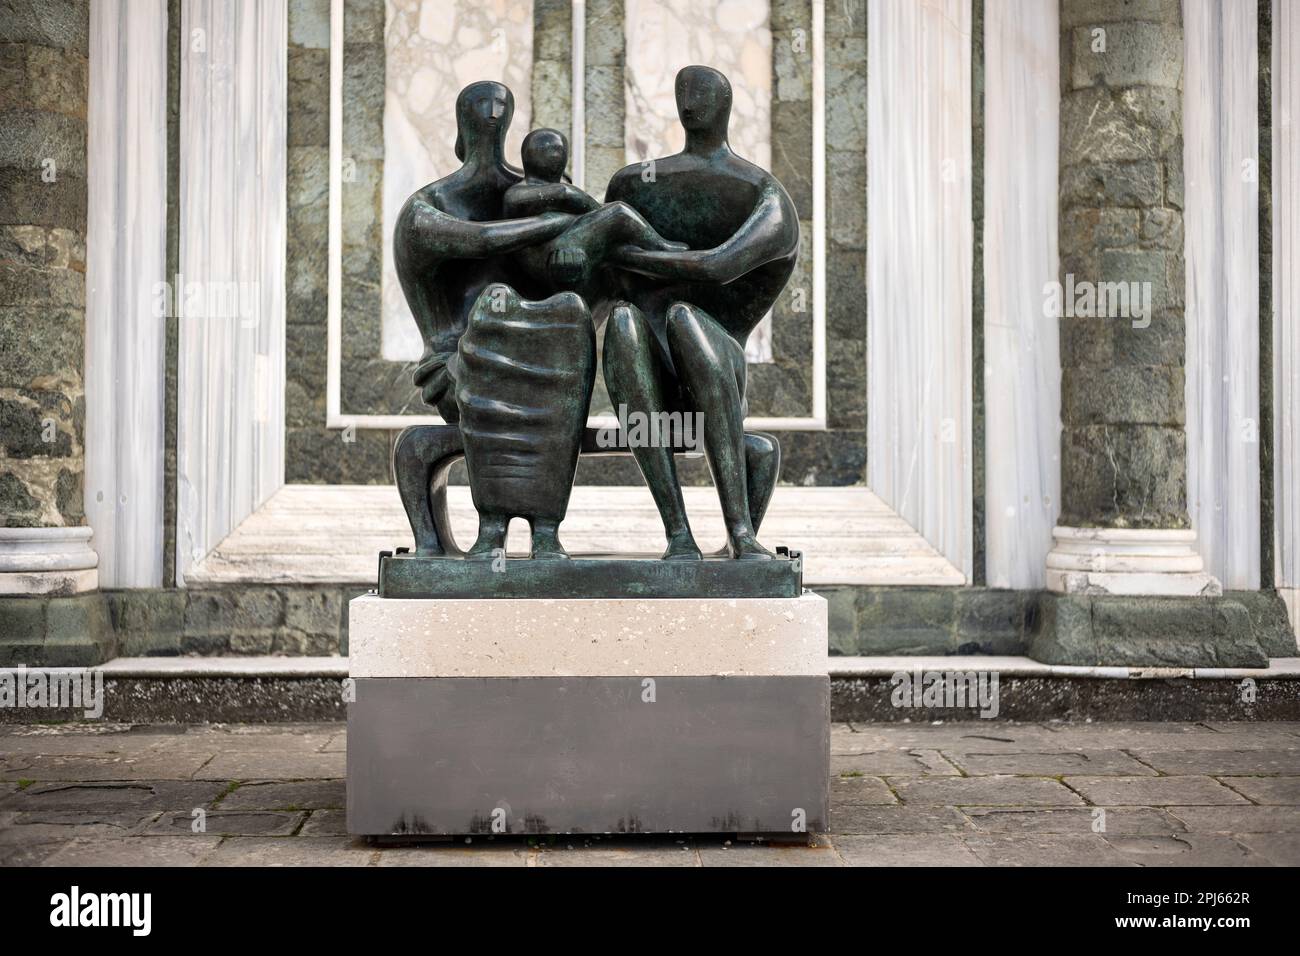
(465, 755)
(588, 576)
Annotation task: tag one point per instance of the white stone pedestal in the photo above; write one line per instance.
(515, 716)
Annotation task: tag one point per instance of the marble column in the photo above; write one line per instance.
(44, 541)
(1124, 527)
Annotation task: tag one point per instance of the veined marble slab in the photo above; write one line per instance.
(665, 35)
(434, 48)
(729, 35)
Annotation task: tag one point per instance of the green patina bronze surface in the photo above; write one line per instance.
(589, 576)
(509, 273)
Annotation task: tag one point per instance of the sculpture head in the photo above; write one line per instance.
(483, 114)
(545, 153)
(703, 100)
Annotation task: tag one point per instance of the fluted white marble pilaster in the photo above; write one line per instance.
(230, 427)
(919, 254)
(126, 251)
(1022, 368)
(1286, 300)
(1220, 162)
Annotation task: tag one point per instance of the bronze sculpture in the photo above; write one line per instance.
(684, 262)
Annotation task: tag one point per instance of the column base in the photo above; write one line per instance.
(1128, 562)
(47, 561)
(1110, 630)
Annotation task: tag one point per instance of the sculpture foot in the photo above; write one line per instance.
(745, 547)
(682, 547)
(546, 541)
(550, 554)
(491, 541)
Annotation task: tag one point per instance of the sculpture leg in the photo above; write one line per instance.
(491, 542)
(546, 540)
(762, 469)
(635, 373)
(712, 369)
(422, 457)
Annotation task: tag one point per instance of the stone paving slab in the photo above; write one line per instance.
(1050, 763)
(326, 823)
(295, 795)
(456, 856)
(970, 794)
(859, 820)
(143, 851)
(228, 823)
(141, 795)
(852, 788)
(894, 763)
(1044, 849)
(1278, 791)
(274, 766)
(290, 851)
(1223, 763)
(1073, 820)
(984, 791)
(1154, 791)
(1277, 820)
(63, 825)
(82, 767)
(896, 849)
(1282, 849)
(1186, 849)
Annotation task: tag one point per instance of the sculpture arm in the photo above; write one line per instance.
(769, 233)
(530, 199)
(424, 226)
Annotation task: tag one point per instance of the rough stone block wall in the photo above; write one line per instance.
(43, 90)
(1123, 442)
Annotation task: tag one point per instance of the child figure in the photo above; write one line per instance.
(567, 262)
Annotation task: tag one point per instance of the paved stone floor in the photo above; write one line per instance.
(957, 794)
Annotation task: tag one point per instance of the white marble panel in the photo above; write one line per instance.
(434, 48)
(230, 427)
(1022, 370)
(1220, 160)
(126, 247)
(919, 253)
(665, 35)
(1286, 299)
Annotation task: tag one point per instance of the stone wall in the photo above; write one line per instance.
(43, 92)
(1123, 442)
